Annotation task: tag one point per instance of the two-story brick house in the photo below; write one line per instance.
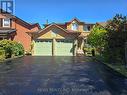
(14, 28)
(60, 39)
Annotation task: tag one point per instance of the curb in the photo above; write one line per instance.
(110, 67)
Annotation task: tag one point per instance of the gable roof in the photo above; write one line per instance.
(75, 19)
(42, 30)
(103, 24)
(64, 25)
(67, 31)
(28, 24)
(9, 15)
(35, 24)
(51, 26)
(7, 31)
(59, 24)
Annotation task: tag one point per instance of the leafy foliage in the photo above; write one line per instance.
(11, 48)
(117, 23)
(112, 38)
(2, 53)
(116, 38)
(97, 37)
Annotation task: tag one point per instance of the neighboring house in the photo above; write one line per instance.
(104, 24)
(14, 28)
(60, 39)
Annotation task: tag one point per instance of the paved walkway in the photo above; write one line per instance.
(59, 76)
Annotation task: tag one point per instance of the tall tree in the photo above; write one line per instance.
(116, 38)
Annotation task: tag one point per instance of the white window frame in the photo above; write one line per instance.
(6, 22)
(74, 26)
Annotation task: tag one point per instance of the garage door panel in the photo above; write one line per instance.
(64, 48)
(43, 48)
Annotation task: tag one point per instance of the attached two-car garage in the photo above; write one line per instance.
(61, 47)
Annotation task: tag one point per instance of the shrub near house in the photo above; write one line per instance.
(2, 53)
(10, 49)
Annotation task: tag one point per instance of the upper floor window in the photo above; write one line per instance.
(87, 28)
(6, 22)
(74, 26)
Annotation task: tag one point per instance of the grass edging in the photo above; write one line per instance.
(112, 67)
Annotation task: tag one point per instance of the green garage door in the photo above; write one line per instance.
(64, 48)
(43, 48)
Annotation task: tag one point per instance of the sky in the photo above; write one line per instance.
(60, 11)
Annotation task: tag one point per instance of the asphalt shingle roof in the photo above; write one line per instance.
(5, 31)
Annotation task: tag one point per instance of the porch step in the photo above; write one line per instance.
(80, 53)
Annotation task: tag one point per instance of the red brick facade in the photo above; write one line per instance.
(21, 27)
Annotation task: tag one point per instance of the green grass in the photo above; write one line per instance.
(119, 67)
